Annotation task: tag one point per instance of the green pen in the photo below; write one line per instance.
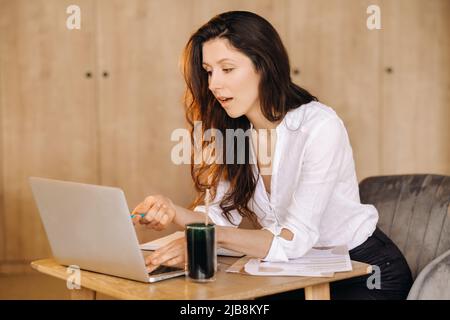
(138, 214)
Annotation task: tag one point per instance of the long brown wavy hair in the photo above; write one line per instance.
(255, 37)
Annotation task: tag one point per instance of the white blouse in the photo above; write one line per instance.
(314, 189)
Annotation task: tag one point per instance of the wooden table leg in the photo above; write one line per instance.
(318, 292)
(82, 294)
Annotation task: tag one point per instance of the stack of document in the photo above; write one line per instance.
(318, 262)
(158, 243)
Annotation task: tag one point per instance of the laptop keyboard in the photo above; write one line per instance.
(163, 269)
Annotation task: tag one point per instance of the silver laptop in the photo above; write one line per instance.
(90, 226)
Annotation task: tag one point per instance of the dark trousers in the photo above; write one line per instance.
(392, 282)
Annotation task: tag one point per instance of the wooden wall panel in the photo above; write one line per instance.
(2, 191)
(47, 112)
(273, 10)
(415, 104)
(338, 61)
(114, 129)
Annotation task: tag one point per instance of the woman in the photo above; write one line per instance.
(238, 77)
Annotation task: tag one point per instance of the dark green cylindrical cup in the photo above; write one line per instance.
(201, 252)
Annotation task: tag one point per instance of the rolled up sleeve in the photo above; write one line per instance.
(319, 175)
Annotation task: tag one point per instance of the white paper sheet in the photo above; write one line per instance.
(158, 243)
(318, 262)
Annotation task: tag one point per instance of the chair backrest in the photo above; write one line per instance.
(413, 212)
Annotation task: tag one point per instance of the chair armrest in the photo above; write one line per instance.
(433, 282)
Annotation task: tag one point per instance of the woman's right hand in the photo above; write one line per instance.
(159, 212)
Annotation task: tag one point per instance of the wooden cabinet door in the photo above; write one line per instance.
(390, 86)
(47, 114)
(275, 11)
(415, 87)
(336, 57)
(140, 44)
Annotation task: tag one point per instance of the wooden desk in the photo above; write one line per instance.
(228, 286)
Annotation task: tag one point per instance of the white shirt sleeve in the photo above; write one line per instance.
(215, 212)
(319, 173)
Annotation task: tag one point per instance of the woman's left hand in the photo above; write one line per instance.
(171, 254)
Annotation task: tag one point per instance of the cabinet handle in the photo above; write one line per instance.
(296, 71)
(389, 70)
(88, 74)
(105, 74)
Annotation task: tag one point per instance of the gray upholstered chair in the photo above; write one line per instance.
(414, 213)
